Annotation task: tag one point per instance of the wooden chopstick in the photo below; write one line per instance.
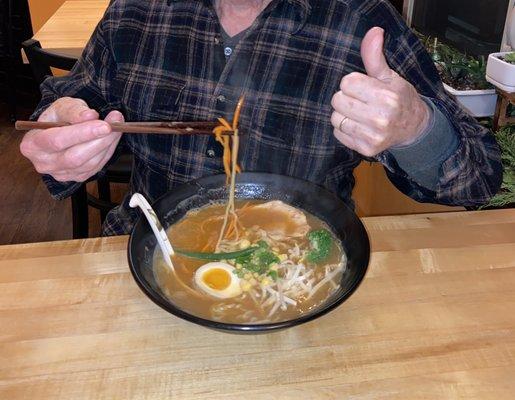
(163, 128)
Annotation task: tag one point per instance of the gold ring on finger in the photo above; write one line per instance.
(340, 127)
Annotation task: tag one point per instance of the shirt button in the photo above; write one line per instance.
(227, 51)
(221, 98)
(211, 153)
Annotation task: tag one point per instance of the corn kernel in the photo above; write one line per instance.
(245, 286)
(247, 276)
(244, 244)
(265, 281)
(274, 267)
(283, 257)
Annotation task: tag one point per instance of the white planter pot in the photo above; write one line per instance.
(500, 73)
(479, 103)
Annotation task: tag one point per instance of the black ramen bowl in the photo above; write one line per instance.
(260, 186)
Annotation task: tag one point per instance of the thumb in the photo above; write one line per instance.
(373, 56)
(115, 116)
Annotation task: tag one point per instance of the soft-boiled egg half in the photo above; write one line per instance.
(218, 280)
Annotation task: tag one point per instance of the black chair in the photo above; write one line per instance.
(16, 82)
(119, 172)
(6, 59)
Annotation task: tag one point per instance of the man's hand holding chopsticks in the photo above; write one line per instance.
(72, 153)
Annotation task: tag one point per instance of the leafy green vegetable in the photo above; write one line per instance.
(321, 243)
(258, 261)
(218, 256)
(273, 274)
(240, 273)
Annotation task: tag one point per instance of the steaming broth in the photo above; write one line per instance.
(283, 231)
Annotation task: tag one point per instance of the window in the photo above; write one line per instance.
(475, 27)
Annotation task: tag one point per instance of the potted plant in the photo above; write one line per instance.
(501, 70)
(463, 77)
(506, 197)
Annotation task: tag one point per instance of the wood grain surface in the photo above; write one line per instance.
(433, 319)
(69, 29)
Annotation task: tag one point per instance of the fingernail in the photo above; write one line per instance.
(116, 116)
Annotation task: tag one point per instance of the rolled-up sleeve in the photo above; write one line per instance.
(422, 159)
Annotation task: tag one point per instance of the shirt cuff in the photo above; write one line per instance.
(422, 159)
(60, 190)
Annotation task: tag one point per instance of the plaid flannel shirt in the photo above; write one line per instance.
(160, 60)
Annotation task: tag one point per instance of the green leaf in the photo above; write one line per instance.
(273, 274)
(510, 57)
(506, 140)
(457, 69)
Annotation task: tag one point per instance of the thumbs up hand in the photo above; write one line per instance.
(379, 110)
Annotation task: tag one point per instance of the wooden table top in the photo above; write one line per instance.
(69, 29)
(433, 319)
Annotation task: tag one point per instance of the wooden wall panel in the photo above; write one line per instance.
(375, 195)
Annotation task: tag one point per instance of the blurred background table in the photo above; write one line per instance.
(70, 27)
(433, 319)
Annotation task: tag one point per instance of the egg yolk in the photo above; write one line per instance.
(217, 278)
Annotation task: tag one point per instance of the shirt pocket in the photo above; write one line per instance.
(148, 94)
(294, 124)
(286, 137)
